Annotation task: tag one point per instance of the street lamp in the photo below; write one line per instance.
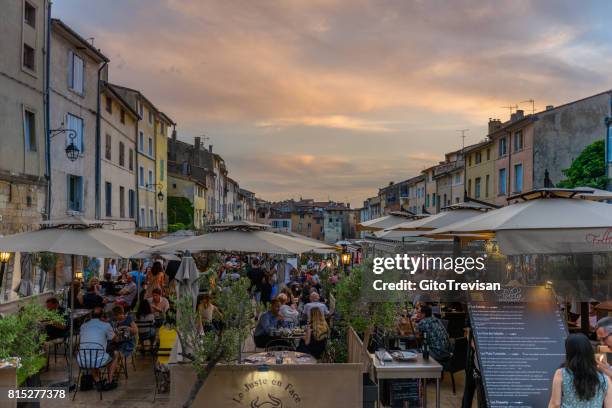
(4, 258)
(345, 257)
(160, 194)
(72, 151)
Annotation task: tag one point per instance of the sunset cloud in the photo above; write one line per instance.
(339, 97)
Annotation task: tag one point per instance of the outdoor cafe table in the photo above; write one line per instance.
(289, 357)
(414, 369)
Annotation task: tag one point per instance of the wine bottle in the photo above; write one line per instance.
(425, 347)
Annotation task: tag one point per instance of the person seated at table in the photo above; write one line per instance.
(317, 333)
(122, 276)
(604, 336)
(578, 384)
(209, 314)
(126, 330)
(314, 302)
(289, 313)
(72, 295)
(159, 305)
(91, 298)
(107, 285)
(155, 279)
(145, 314)
(292, 300)
(56, 330)
(127, 294)
(95, 334)
(268, 322)
(437, 336)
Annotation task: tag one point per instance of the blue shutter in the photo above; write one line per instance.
(70, 68)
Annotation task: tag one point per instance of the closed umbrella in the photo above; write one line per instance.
(187, 278)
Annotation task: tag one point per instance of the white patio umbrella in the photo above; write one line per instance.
(541, 226)
(387, 221)
(242, 238)
(78, 236)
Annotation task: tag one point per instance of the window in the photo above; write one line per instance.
(150, 117)
(75, 193)
(502, 181)
(76, 73)
(29, 130)
(433, 199)
(109, 104)
(141, 181)
(108, 198)
(107, 148)
(29, 14)
(477, 187)
(121, 154)
(28, 57)
(141, 141)
(151, 217)
(469, 159)
(162, 167)
(457, 178)
(122, 201)
(487, 180)
(150, 185)
(131, 160)
(427, 200)
(76, 124)
(502, 148)
(518, 178)
(489, 153)
(140, 109)
(122, 115)
(150, 147)
(143, 221)
(478, 157)
(132, 203)
(469, 189)
(518, 141)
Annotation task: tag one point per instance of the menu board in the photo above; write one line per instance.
(519, 346)
(404, 393)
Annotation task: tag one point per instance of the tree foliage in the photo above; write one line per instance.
(20, 336)
(180, 210)
(208, 349)
(588, 169)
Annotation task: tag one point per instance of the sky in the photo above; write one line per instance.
(332, 99)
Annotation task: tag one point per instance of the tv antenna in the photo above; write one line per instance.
(511, 107)
(203, 139)
(463, 137)
(532, 105)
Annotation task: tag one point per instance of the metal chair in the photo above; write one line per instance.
(91, 356)
(145, 326)
(54, 344)
(458, 360)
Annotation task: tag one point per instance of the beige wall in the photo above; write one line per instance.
(296, 386)
(147, 199)
(65, 101)
(481, 170)
(22, 169)
(113, 172)
(161, 170)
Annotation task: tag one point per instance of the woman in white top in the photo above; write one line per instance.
(288, 313)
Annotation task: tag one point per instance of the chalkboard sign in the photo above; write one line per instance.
(519, 346)
(404, 393)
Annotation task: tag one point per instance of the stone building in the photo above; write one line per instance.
(23, 181)
(118, 127)
(77, 68)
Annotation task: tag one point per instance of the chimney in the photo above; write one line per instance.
(518, 115)
(494, 124)
(549, 107)
(209, 148)
(197, 143)
(174, 135)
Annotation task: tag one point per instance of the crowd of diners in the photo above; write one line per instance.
(117, 306)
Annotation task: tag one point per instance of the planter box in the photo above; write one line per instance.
(8, 379)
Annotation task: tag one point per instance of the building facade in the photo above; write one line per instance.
(194, 191)
(75, 184)
(118, 127)
(23, 182)
(480, 171)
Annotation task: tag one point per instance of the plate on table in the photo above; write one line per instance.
(403, 355)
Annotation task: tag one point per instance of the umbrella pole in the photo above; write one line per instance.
(71, 322)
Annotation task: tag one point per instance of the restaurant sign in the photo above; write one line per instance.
(267, 393)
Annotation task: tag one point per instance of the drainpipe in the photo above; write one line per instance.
(98, 146)
(48, 112)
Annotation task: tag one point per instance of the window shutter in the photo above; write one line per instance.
(82, 84)
(68, 192)
(70, 69)
(81, 142)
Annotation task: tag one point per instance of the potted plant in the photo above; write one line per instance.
(21, 337)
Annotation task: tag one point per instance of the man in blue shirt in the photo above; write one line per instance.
(267, 322)
(95, 334)
(137, 276)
